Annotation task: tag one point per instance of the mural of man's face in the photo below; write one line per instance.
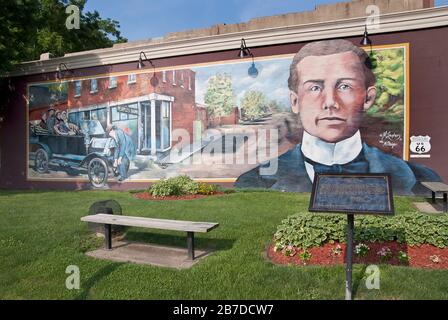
(331, 95)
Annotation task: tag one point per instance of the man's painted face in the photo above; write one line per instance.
(331, 95)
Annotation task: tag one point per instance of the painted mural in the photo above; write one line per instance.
(332, 107)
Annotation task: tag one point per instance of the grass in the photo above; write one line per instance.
(41, 234)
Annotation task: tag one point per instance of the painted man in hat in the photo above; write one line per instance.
(51, 120)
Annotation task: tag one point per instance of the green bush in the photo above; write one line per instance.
(305, 230)
(177, 186)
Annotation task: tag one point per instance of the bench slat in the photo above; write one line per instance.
(164, 224)
(436, 186)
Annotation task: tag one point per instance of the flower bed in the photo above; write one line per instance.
(410, 239)
(424, 256)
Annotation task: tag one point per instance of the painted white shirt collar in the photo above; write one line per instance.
(329, 154)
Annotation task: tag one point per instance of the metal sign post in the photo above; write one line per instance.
(352, 194)
(349, 257)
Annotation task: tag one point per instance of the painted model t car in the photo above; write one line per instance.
(89, 150)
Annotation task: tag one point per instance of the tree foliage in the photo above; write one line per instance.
(390, 83)
(254, 104)
(220, 98)
(31, 27)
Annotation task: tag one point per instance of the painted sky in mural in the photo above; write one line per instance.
(272, 79)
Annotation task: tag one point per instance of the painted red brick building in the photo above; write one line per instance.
(147, 110)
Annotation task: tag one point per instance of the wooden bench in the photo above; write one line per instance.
(177, 225)
(438, 187)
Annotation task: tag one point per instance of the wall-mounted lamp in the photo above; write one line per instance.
(366, 40)
(154, 81)
(245, 52)
(61, 70)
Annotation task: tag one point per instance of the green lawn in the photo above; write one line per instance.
(41, 234)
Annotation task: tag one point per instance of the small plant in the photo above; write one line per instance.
(164, 188)
(278, 247)
(336, 251)
(305, 256)
(289, 251)
(403, 257)
(206, 189)
(362, 250)
(435, 258)
(385, 254)
(177, 186)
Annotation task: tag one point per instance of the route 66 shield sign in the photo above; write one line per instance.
(420, 144)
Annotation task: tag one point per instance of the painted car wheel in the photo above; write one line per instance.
(98, 172)
(41, 161)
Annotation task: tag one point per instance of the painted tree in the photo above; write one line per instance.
(390, 83)
(254, 104)
(275, 106)
(220, 98)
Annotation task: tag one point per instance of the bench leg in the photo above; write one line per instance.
(445, 204)
(108, 236)
(190, 245)
(433, 197)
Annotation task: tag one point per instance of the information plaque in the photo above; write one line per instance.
(352, 193)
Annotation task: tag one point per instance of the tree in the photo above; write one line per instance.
(254, 104)
(220, 98)
(274, 106)
(17, 20)
(31, 27)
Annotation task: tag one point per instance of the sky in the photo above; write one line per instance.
(144, 19)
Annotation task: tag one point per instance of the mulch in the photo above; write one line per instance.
(148, 196)
(419, 255)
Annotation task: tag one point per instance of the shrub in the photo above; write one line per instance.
(305, 230)
(164, 188)
(176, 186)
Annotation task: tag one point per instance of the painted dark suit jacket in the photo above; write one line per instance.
(125, 146)
(292, 176)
